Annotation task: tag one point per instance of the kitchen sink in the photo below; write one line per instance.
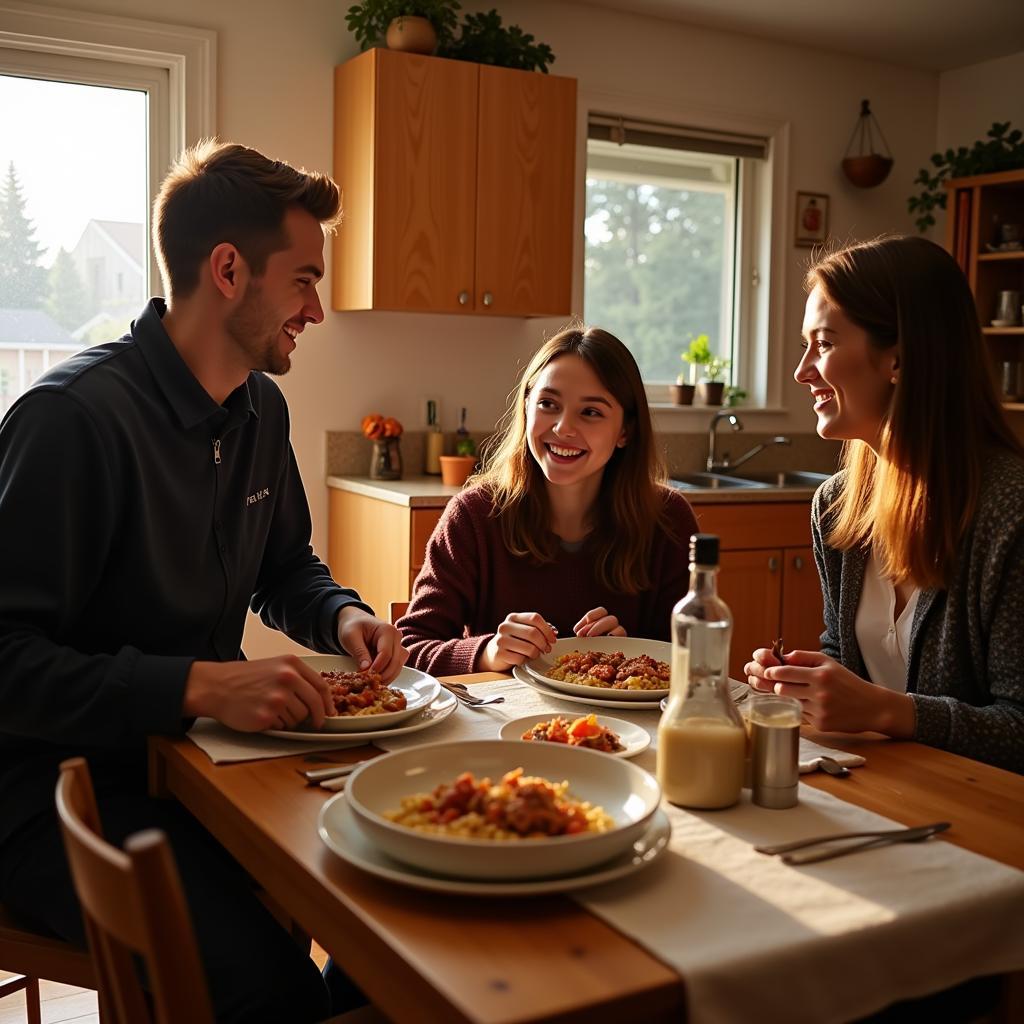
(711, 481)
(789, 478)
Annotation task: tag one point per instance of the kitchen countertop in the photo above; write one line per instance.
(429, 492)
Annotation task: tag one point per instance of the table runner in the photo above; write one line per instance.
(755, 939)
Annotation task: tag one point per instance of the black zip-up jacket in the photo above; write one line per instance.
(138, 521)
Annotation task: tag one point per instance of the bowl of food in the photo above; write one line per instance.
(613, 736)
(497, 810)
(606, 667)
(363, 702)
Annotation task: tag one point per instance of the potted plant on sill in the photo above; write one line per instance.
(711, 388)
(698, 354)
(417, 26)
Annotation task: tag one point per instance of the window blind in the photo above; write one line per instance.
(620, 130)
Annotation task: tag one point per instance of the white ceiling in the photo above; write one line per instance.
(932, 35)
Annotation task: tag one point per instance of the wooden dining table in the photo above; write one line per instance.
(423, 956)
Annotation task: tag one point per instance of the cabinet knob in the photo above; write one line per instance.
(773, 564)
(798, 562)
(463, 298)
(488, 298)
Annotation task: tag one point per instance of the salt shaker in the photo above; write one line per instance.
(774, 750)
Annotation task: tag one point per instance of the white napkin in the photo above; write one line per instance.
(757, 940)
(811, 754)
(225, 746)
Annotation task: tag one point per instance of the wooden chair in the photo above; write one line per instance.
(396, 609)
(132, 903)
(32, 956)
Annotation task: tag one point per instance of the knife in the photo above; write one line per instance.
(803, 854)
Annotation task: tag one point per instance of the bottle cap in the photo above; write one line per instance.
(704, 549)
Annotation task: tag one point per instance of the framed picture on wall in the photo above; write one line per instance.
(811, 218)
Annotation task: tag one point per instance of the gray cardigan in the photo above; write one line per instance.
(965, 671)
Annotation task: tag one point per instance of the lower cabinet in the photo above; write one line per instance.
(768, 576)
(377, 547)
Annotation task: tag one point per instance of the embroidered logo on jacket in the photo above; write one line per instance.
(258, 496)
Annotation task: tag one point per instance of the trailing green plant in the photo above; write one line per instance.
(1001, 150)
(734, 396)
(485, 40)
(368, 21)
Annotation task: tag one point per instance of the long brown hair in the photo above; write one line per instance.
(914, 501)
(629, 505)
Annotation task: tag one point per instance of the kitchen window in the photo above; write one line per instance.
(675, 244)
(94, 110)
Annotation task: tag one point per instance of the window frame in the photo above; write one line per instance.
(175, 65)
(759, 316)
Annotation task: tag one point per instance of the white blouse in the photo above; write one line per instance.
(883, 639)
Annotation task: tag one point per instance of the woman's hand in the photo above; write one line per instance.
(522, 636)
(834, 699)
(598, 622)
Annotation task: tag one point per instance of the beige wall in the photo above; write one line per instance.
(274, 92)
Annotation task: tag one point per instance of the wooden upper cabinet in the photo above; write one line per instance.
(458, 187)
(525, 192)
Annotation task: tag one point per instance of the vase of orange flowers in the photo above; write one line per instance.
(386, 458)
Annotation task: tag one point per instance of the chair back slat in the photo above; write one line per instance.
(132, 904)
(396, 609)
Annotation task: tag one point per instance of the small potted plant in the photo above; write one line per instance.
(711, 388)
(696, 355)
(485, 40)
(417, 26)
(455, 469)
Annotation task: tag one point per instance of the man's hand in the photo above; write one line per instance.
(360, 633)
(272, 693)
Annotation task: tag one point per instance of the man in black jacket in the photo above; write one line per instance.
(148, 495)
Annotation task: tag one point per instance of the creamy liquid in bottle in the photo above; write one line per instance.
(700, 762)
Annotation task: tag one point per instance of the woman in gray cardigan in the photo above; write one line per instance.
(919, 539)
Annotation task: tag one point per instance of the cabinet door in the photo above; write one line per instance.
(750, 583)
(525, 193)
(368, 547)
(802, 603)
(424, 201)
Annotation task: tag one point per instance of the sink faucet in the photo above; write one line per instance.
(714, 466)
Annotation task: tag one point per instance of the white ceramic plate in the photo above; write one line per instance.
(633, 738)
(594, 700)
(441, 708)
(420, 692)
(630, 646)
(628, 795)
(340, 831)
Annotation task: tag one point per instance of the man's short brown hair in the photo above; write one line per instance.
(223, 192)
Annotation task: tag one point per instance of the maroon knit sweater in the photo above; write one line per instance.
(469, 583)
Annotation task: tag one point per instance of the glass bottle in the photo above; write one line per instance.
(701, 737)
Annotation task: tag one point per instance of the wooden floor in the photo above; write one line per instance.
(65, 1003)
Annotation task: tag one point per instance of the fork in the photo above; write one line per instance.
(801, 852)
(468, 699)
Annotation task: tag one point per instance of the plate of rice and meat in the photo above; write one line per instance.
(613, 667)
(593, 732)
(487, 809)
(363, 702)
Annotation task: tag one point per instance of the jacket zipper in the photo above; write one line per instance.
(216, 451)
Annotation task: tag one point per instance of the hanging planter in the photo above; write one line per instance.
(865, 168)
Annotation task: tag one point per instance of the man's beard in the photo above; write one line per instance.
(250, 328)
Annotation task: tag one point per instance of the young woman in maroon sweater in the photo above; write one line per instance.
(567, 529)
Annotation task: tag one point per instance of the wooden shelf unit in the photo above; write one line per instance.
(975, 210)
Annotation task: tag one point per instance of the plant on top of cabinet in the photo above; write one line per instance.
(485, 40)
(1004, 151)
(370, 20)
